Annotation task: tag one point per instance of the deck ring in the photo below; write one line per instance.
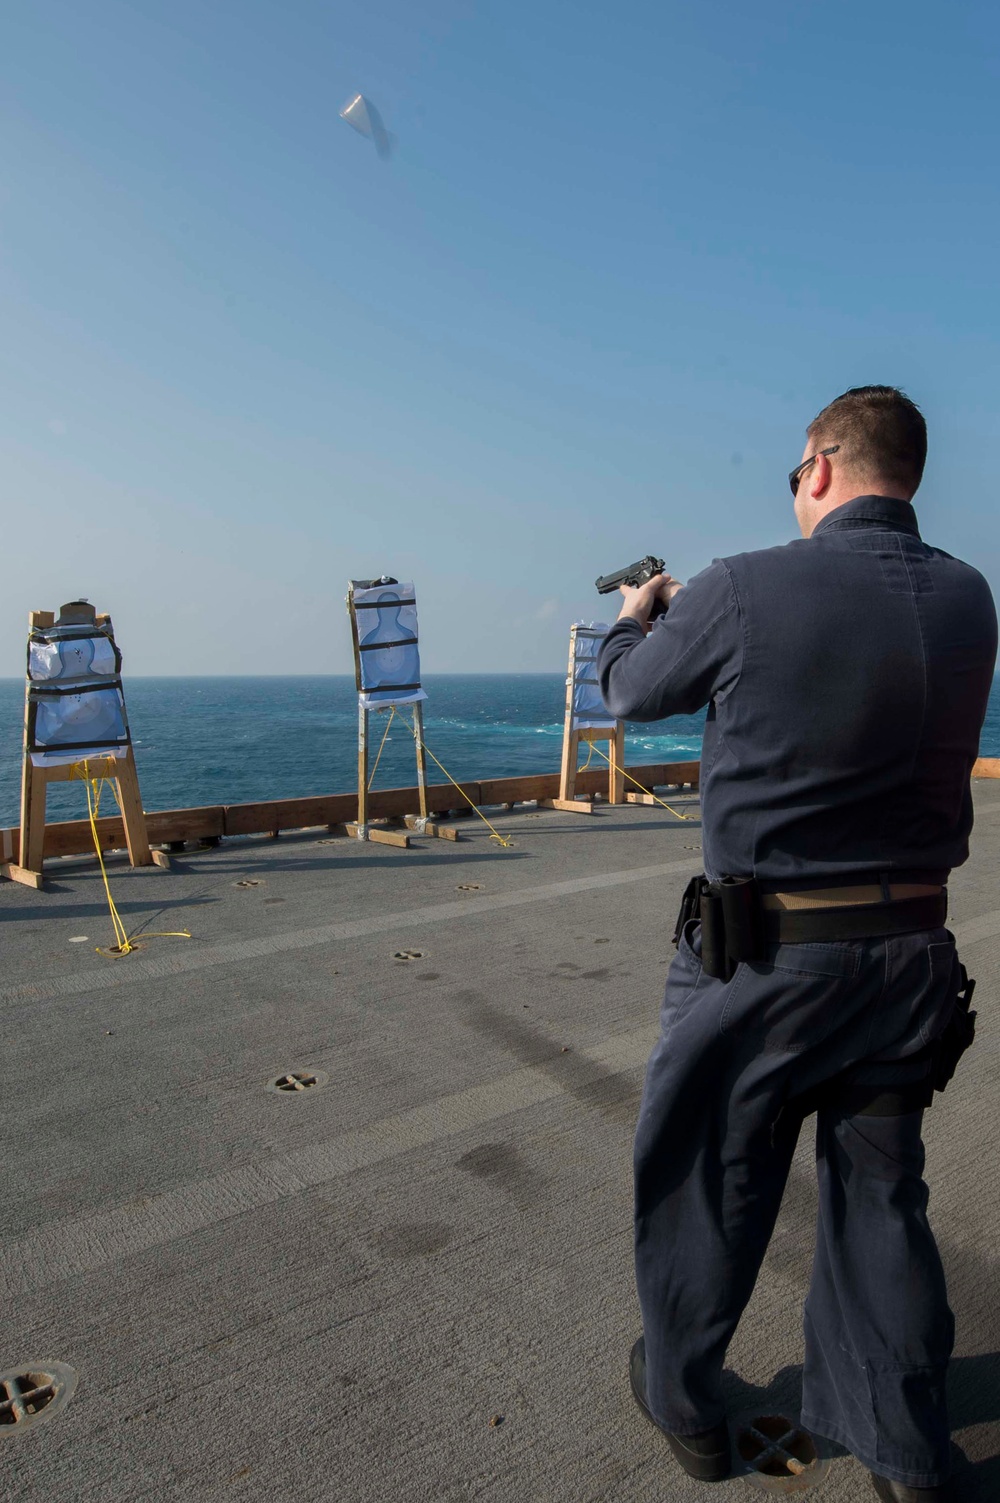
(780, 1456)
(293, 1082)
(33, 1393)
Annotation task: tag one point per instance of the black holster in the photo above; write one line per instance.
(860, 1099)
(958, 1034)
(732, 922)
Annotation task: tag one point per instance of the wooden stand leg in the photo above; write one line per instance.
(616, 774)
(571, 736)
(33, 790)
(361, 828)
(27, 869)
(133, 817)
(570, 758)
(567, 800)
(422, 824)
(418, 739)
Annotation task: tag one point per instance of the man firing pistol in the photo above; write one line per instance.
(846, 676)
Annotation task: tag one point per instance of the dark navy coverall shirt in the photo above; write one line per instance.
(846, 676)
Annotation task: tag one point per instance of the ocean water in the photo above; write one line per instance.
(233, 740)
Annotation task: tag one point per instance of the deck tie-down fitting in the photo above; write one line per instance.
(780, 1454)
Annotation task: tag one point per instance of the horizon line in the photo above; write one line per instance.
(453, 673)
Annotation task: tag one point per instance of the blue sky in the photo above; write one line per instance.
(619, 259)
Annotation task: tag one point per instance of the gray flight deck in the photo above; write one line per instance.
(331, 1295)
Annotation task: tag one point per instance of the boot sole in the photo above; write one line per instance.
(884, 1488)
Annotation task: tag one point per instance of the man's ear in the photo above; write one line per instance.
(822, 474)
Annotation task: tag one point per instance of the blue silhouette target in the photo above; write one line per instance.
(388, 647)
(589, 712)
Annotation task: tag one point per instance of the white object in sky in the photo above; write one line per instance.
(362, 115)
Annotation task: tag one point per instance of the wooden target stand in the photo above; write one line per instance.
(572, 737)
(35, 780)
(383, 833)
(573, 734)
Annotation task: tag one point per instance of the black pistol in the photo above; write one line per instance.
(635, 575)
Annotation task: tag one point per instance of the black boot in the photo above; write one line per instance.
(705, 1455)
(902, 1492)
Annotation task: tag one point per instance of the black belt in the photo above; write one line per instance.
(858, 921)
(735, 925)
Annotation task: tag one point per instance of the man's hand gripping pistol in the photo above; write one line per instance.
(635, 575)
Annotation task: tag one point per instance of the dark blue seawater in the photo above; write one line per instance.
(232, 740)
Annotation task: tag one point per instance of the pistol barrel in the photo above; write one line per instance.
(608, 582)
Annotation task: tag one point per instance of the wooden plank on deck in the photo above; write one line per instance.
(73, 837)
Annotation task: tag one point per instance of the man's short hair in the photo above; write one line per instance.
(881, 434)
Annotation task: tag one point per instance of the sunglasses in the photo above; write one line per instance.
(796, 474)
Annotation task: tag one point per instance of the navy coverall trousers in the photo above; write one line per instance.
(712, 1155)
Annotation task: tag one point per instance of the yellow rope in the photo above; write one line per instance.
(504, 840)
(612, 764)
(385, 733)
(93, 787)
(93, 808)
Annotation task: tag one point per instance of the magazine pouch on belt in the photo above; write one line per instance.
(731, 919)
(744, 919)
(714, 959)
